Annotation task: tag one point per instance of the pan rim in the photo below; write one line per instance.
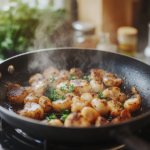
(68, 48)
(33, 121)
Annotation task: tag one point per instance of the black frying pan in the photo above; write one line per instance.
(134, 73)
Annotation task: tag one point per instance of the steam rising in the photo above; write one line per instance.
(39, 62)
(69, 58)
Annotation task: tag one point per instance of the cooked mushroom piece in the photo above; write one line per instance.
(50, 72)
(76, 120)
(96, 86)
(111, 80)
(79, 103)
(81, 86)
(16, 93)
(101, 106)
(115, 108)
(76, 72)
(35, 77)
(55, 122)
(133, 104)
(32, 110)
(97, 74)
(31, 98)
(59, 105)
(89, 96)
(90, 114)
(101, 121)
(46, 103)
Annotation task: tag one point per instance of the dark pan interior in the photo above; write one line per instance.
(133, 72)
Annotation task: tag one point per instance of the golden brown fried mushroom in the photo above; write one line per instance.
(115, 94)
(65, 74)
(101, 106)
(35, 77)
(90, 114)
(118, 120)
(59, 105)
(32, 110)
(133, 104)
(134, 90)
(50, 72)
(57, 80)
(28, 89)
(96, 86)
(55, 122)
(80, 86)
(76, 72)
(125, 114)
(115, 108)
(97, 74)
(31, 98)
(111, 80)
(16, 93)
(78, 104)
(101, 121)
(46, 103)
(76, 120)
(70, 95)
(39, 87)
(88, 96)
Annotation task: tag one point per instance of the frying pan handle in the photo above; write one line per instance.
(132, 142)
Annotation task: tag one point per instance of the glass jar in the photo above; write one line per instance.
(105, 43)
(127, 40)
(84, 35)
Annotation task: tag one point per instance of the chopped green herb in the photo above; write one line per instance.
(52, 79)
(73, 72)
(100, 96)
(63, 89)
(62, 97)
(67, 85)
(71, 89)
(64, 116)
(86, 78)
(106, 101)
(122, 105)
(50, 90)
(128, 96)
(72, 78)
(65, 113)
(54, 96)
(50, 117)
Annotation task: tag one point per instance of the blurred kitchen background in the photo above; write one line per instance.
(119, 26)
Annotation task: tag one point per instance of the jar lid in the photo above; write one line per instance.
(127, 30)
(83, 26)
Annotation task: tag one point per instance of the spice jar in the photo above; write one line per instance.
(84, 35)
(127, 40)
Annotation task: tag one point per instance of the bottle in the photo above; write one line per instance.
(84, 35)
(127, 40)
